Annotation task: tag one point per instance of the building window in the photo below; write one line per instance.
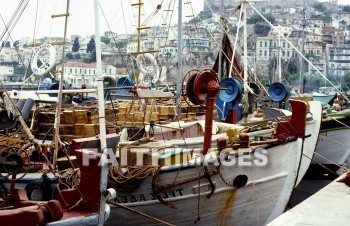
(265, 53)
(260, 52)
(260, 43)
(265, 44)
(71, 70)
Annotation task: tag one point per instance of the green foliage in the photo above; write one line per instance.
(120, 44)
(17, 69)
(308, 55)
(314, 82)
(16, 44)
(69, 56)
(93, 56)
(105, 40)
(324, 16)
(346, 81)
(203, 15)
(292, 67)
(91, 46)
(293, 78)
(6, 44)
(262, 29)
(77, 56)
(319, 6)
(256, 18)
(76, 45)
(266, 80)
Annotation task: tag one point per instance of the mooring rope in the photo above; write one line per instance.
(129, 180)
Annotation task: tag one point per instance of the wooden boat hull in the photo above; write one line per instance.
(263, 198)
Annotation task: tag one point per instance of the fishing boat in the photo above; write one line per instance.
(81, 204)
(180, 183)
(333, 147)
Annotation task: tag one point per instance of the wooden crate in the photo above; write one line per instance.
(68, 117)
(94, 119)
(91, 129)
(46, 117)
(80, 116)
(121, 116)
(79, 129)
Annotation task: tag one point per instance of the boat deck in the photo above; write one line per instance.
(329, 206)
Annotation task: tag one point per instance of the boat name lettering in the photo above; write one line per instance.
(150, 196)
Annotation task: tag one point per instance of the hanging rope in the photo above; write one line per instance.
(126, 180)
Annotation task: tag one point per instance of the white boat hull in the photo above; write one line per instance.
(263, 198)
(333, 147)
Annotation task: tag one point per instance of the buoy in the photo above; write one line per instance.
(146, 72)
(47, 66)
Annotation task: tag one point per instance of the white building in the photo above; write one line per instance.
(78, 73)
(268, 47)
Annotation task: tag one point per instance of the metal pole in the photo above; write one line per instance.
(279, 60)
(221, 47)
(101, 113)
(245, 61)
(301, 84)
(179, 61)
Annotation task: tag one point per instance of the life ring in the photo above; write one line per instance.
(47, 66)
(147, 72)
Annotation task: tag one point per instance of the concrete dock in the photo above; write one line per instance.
(329, 206)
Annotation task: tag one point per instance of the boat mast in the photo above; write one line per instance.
(139, 28)
(59, 96)
(301, 84)
(245, 60)
(101, 115)
(221, 47)
(179, 60)
(279, 59)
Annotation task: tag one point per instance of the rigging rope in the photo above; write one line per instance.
(126, 180)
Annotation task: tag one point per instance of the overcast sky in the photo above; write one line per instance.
(121, 17)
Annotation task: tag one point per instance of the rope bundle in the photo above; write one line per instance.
(129, 180)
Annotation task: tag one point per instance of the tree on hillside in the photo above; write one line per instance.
(256, 18)
(77, 56)
(6, 44)
(346, 8)
(346, 81)
(105, 40)
(120, 44)
(292, 67)
(203, 15)
(16, 44)
(69, 56)
(76, 45)
(91, 46)
(262, 29)
(319, 6)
